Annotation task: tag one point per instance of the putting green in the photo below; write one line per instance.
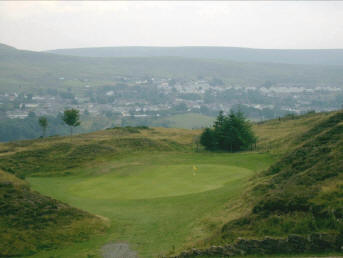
(155, 203)
(145, 182)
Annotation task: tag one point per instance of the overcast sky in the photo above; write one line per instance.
(50, 25)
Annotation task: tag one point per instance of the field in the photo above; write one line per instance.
(154, 202)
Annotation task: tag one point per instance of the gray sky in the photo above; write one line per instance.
(49, 25)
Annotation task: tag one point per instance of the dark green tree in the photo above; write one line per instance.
(208, 139)
(43, 122)
(229, 133)
(219, 131)
(72, 118)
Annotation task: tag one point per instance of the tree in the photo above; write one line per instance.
(208, 139)
(229, 133)
(72, 118)
(43, 122)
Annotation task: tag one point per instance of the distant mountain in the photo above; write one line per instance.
(20, 70)
(4, 47)
(289, 56)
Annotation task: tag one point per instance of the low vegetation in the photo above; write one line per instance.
(300, 194)
(57, 155)
(31, 222)
(280, 136)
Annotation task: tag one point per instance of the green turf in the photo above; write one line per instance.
(145, 182)
(153, 201)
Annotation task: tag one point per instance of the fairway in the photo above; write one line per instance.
(155, 203)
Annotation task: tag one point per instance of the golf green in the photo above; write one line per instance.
(157, 203)
(144, 182)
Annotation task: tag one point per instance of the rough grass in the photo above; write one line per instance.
(56, 155)
(279, 136)
(31, 222)
(302, 193)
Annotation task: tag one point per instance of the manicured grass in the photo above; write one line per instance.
(146, 182)
(153, 201)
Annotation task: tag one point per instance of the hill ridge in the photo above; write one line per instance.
(239, 54)
(41, 70)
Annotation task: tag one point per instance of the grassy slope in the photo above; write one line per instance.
(300, 194)
(278, 136)
(57, 155)
(31, 222)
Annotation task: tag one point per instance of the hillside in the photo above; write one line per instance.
(57, 154)
(279, 136)
(31, 222)
(22, 70)
(289, 56)
(296, 204)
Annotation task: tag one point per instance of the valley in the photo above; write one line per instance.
(157, 90)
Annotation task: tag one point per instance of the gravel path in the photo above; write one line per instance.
(118, 250)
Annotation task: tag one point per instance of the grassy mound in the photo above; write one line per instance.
(57, 154)
(280, 136)
(300, 194)
(31, 222)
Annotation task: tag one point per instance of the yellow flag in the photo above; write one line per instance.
(195, 168)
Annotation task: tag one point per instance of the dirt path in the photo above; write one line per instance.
(118, 250)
